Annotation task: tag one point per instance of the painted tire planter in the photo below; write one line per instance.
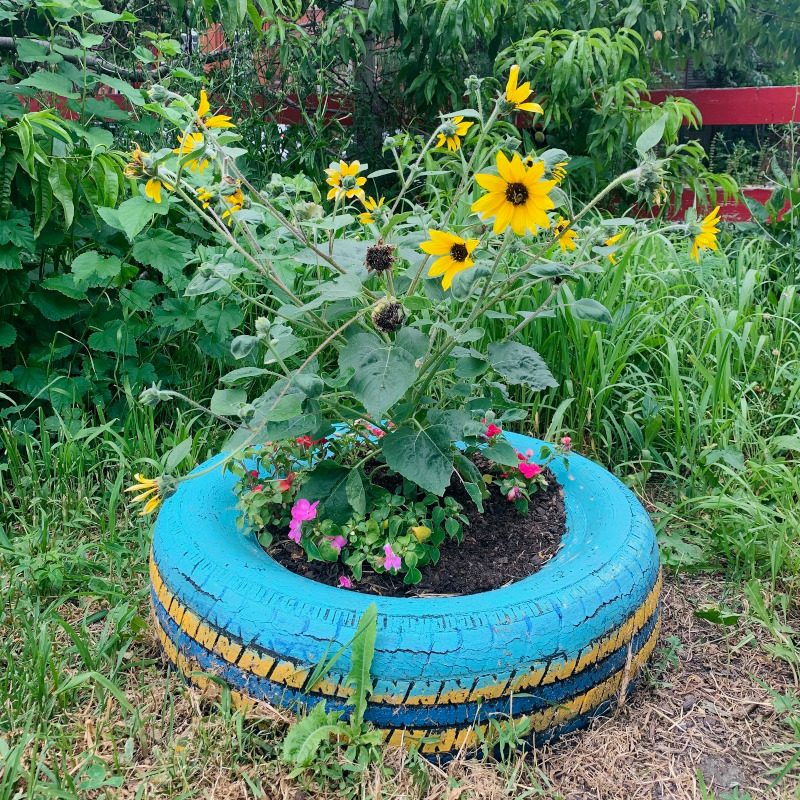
(557, 647)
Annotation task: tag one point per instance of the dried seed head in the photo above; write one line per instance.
(380, 257)
(388, 315)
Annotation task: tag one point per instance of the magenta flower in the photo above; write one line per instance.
(392, 561)
(529, 470)
(303, 510)
(493, 430)
(514, 493)
(294, 530)
(345, 582)
(566, 443)
(259, 488)
(337, 543)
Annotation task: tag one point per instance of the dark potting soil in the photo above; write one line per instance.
(499, 547)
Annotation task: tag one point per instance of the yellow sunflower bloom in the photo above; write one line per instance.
(610, 243)
(371, 205)
(566, 238)
(236, 202)
(518, 95)
(559, 171)
(707, 238)
(204, 196)
(188, 143)
(455, 255)
(344, 181)
(451, 133)
(153, 188)
(150, 493)
(215, 121)
(517, 196)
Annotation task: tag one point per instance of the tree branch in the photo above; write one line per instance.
(107, 67)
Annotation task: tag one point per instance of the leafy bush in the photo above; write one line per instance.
(352, 327)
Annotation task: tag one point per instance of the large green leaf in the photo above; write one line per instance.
(53, 305)
(384, 372)
(62, 189)
(590, 310)
(327, 482)
(117, 336)
(423, 456)
(92, 269)
(8, 334)
(50, 82)
(652, 136)
(132, 215)
(518, 363)
(164, 251)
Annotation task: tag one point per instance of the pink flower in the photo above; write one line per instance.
(337, 543)
(493, 430)
(294, 530)
(345, 582)
(253, 473)
(514, 493)
(566, 443)
(529, 470)
(259, 488)
(392, 561)
(303, 510)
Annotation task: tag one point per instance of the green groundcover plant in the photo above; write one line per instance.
(368, 359)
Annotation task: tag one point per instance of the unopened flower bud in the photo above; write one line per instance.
(262, 327)
(153, 395)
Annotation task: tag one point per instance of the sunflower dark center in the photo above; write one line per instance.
(458, 252)
(517, 194)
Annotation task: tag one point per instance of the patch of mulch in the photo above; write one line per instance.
(499, 547)
(705, 710)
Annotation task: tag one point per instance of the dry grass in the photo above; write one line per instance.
(703, 709)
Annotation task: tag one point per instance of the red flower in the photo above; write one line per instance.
(285, 483)
(305, 441)
(493, 430)
(258, 488)
(530, 470)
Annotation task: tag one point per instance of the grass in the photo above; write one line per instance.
(692, 396)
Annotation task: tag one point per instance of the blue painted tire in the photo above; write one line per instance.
(557, 647)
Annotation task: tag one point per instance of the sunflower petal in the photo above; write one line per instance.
(204, 106)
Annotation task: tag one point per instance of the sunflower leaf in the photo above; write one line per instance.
(520, 364)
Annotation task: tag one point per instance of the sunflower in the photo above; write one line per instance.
(610, 243)
(188, 143)
(344, 181)
(135, 169)
(451, 132)
(153, 188)
(566, 238)
(236, 202)
(455, 255)
(518, 95)
(204, 196)
(517, 197)
(371, 205)
(707, 238)
(559, 172)
(215, 121)
(150, 489)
